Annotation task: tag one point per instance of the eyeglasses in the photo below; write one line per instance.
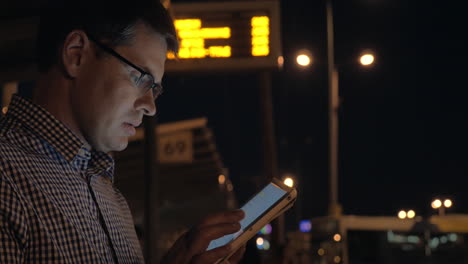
(144, 82)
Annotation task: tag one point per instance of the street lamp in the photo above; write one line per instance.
(436, 204)
(402, 214)
(304, 58)
(448, 203)
(411, 214)
(367, 59)
(334, 207)
(441, 206)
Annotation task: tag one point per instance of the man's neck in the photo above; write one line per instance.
(52, 92)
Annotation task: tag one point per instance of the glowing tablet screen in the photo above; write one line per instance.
(253, 209)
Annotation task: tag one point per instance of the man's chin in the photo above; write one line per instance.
(116, 144)
(121, 145)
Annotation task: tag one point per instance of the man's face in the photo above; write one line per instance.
(105, 99)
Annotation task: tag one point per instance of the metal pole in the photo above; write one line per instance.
(333, 101)
(270, 157)
(151, 196)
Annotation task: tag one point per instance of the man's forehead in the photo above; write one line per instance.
(150, 49)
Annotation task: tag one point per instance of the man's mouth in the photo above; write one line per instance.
(130, 128)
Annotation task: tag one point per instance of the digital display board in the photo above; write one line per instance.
(226, 36)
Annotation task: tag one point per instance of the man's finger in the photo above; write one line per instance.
(210, 257)
(236, 257)
(224, 217)
(201, 237)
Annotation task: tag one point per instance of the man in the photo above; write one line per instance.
(101, 66)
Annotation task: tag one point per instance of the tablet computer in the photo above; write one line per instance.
(273, 200)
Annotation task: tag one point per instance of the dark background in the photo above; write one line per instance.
(402, 122)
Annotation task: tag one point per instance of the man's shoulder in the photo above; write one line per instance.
(18, 144)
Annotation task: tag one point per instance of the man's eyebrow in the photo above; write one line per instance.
(146, 69)
(156, 80)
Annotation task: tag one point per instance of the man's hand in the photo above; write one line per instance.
(191, 247)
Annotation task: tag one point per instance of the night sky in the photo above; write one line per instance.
(402, 122)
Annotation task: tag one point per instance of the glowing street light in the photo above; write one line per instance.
(448, 203)
(411, 214)
(304, 58)
(441, 206)
(402, 214)
(367, 59)
(436, 204)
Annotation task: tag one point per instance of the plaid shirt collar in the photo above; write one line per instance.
(61, 138)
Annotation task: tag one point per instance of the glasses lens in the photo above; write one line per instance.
(147, 82)
(157, 90)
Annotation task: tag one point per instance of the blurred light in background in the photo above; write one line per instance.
(259, 241)
(230, 187)
(266, 230)
(321, 251)
(288, 181)
(262, 244)
(303, 60)
(266, 245)
(337, 259)
(221, 179)
(448, 203)
(436, 204)
(367, 59)
(453, 237)
(305, 226)
(434, 242)
(337, 237)
(411, 214)
(443, 239)
(402, 214)
(280, 61)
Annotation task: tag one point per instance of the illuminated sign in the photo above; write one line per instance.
(192, 40)
(226, 36)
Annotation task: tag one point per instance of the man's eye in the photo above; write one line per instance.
(134, 77)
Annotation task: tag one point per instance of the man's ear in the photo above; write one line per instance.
(74, 52)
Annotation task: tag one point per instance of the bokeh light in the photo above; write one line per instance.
(288, 181)
(221, 179)
(266, 230)
(305, 226)
(402, 214)
(448, 203)
(367, 59)
(436, 204)
(303, 60)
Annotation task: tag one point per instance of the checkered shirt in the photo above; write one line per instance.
(47, 183)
